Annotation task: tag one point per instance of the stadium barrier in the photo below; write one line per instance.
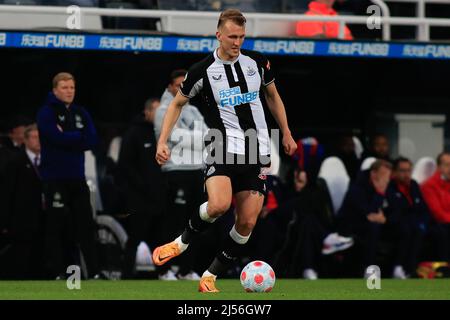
(259, 24)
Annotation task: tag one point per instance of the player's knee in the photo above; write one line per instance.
(216, 209)
(245, 227)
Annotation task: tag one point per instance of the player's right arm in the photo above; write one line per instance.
(170, 119)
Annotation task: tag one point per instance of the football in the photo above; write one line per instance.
(257, 276)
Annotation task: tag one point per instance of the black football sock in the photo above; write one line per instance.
(226, 257)
(196, 225)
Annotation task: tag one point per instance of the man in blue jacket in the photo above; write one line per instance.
(408, 214)
(66, 131)
(363, 212)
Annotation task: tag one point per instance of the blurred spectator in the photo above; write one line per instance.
(321, 29)
(344, 149)
(21, 211)
(408, 215)
(66, 131)
(147, 4)
(378, 148)
(362, 213)
(183, 173)
(81, 3)
(309, 156)
(11, 143)
(436, 192)
(15, 136)
(315, 228)
(293, 232)
(242, 5)
(141, 180)
(5, 157)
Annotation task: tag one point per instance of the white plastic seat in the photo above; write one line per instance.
(114, 148)
(424, 169)
(337, 180)
(359, 149)
(367, 163)
(274, 168)
(144, 260)
(92, 180)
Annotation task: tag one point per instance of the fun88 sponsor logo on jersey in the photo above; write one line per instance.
(233, 97)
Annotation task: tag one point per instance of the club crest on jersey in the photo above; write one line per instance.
(57, 203)
(78, 122)
(217, 78)
(251, 71)
(233, 97)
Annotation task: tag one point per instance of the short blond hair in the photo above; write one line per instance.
(62, 76)
(379, 163)
(231, 14)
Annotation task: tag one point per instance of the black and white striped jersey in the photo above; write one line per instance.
(230, 90)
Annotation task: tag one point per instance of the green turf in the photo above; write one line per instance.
(230, 289)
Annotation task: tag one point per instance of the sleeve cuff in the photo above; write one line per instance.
(184, 95)
(266, 84)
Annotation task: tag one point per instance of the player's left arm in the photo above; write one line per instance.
(278, 111)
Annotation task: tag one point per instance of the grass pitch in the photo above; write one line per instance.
(285, 289)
